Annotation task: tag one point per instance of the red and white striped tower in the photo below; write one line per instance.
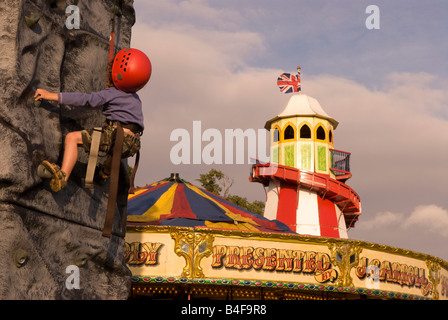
(306, 177)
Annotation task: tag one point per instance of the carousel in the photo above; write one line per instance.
(185, 243)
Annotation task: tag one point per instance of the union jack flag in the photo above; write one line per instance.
(288, 82)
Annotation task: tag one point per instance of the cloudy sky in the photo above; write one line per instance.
(217, 62)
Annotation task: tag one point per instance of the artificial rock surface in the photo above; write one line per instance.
(41, 232)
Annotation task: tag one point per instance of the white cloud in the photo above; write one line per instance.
(381, 220)
(430, 218)
(424, 219)
(423, 229)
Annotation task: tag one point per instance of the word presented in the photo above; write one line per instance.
(270, 259)
(138, 253)
(229, 148)
(395, 272)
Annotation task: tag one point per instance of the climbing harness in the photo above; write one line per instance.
(120, 150)
(93, 157)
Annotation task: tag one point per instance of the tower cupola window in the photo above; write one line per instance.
(289, 133)
(305, 132)
(320, 133)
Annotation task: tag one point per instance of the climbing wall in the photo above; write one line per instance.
(46, 237)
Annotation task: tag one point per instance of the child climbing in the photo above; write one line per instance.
(122, 107)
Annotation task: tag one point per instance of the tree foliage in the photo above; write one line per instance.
(215, 181)
(209, 181)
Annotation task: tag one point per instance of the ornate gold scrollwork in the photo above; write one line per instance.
(192, 246)
(345, 256)
(434, 277)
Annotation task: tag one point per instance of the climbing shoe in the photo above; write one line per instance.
(57, 182)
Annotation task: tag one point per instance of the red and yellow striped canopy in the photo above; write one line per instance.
(179, 203)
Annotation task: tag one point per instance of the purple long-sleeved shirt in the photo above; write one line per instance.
(117, 105)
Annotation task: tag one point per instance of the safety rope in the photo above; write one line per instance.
(115, 12)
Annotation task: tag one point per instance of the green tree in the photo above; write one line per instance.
(214, 181)
(255, 207)
(217, 182)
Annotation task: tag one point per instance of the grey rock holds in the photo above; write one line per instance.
(42, 233)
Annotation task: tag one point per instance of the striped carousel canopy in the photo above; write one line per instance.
(176, 202)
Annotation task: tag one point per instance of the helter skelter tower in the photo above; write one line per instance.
(306, 177)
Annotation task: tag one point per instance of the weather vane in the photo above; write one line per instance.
(289, 83)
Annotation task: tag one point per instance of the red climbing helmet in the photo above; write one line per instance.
(131, 70)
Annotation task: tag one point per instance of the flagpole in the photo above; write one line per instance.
(300, 79)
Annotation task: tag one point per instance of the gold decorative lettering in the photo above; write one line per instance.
(247, 257)
(396, 272)
(218, 254)
(284, 262)
(361, 268)
(310, 262)
(138, 253)
(329, 275)
(258, 258)
(298, 260)
(271, 259)
(233, 257)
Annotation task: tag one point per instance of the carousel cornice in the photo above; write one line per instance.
(336, 268)
(289, 237)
